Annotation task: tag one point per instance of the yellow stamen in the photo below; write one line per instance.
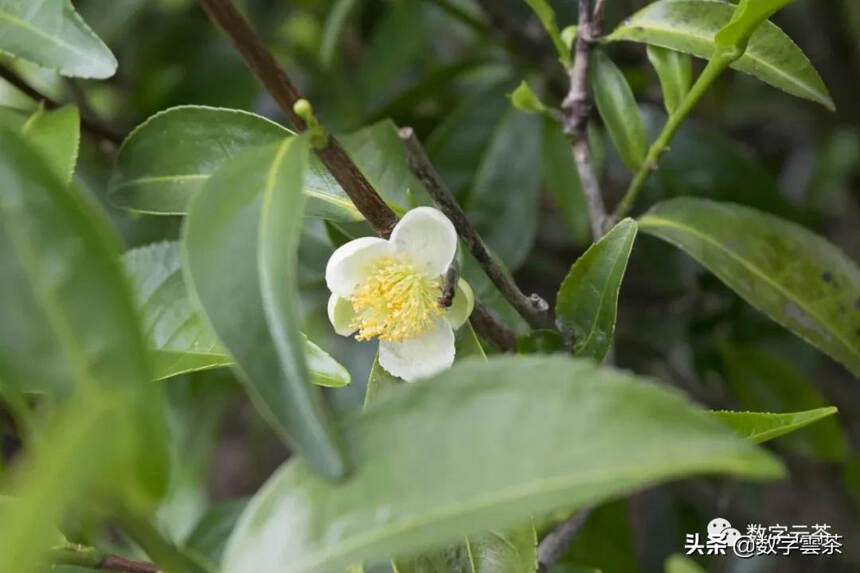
(395, 302)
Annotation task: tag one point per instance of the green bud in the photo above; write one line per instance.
(316, 132)
(568, 36)
(524, 99)
(304, 110)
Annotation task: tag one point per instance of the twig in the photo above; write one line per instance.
(364, 197)
(88, 123)
(576, 110)
(284, 92)
(553, 546)
(92, 558)
(533, 308)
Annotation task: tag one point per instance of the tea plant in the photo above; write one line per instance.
(362, 271)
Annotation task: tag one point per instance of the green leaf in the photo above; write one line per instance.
(397, 42)
(56, 134)
(506, 187)
(748, 16)
(457, 145)
(763, 382)
(51, 34)
(180, 338)
(211, 533)
(689, 26)
(35, 360)
(280, 229)
(618, 109)
(196, 408)
(69, 328)
(513, 551)
(482, 445)
(681, 564)
(561, 179)
(51, 480)
(675, 71)
(794, 276)
(240, 242)
(490, 552)
(170, 156)
(587, 301)
(63, 249)
(334, 23)
(12, 118)
(761, 427)
(568, 36)
(546, 15)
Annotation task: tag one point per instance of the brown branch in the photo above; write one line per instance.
(577, 108)
(88, 123)
(263, 64)
(554, 545)
(533, 308)
(380, 216)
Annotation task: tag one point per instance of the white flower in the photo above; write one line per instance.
(390, 289)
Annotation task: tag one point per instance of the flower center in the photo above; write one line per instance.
(395, 302)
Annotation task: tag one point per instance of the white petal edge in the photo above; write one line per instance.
(349, 264)
(419, 357)
(428, 239)
(340, 315)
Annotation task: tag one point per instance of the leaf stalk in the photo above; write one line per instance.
(717, 64)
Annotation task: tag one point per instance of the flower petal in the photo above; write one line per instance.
(428, 238)
(340, 314)
(419, 357)
(464, 303)
(349, 264)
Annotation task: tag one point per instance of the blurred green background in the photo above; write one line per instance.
(444, 67)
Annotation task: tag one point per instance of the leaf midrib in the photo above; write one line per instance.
(29, 27)
(189, 177)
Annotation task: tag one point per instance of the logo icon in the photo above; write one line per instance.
(760, 540)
